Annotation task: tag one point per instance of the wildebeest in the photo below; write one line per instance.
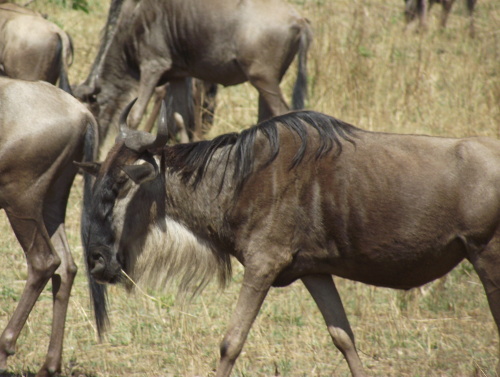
(43, 131)
(226, 42)
(300, 196)
(418, 8)
(32, 48)
(192, 99)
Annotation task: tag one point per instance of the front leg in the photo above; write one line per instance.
(256, 283)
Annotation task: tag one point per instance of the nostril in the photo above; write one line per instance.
(96, 257)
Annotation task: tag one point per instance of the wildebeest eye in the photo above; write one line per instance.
(141, 173)
(122, 186)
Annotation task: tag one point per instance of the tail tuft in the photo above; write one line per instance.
(300, 88)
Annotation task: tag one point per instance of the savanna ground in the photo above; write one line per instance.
(365, 69)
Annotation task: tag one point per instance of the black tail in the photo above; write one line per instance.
(98, 291)
(300, 88)
(64, 81)
(63, 68)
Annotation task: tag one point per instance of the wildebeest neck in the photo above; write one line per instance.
(191, 160)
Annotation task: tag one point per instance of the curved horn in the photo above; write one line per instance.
(139, 141)
(162, 124)
(125, 130)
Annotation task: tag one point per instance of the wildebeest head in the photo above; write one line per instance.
(120, 178)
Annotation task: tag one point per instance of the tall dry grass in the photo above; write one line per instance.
(365, 69)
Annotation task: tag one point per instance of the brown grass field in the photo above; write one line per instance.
(366, 69)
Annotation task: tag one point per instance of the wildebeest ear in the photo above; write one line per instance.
(140, 173)
(89, 167)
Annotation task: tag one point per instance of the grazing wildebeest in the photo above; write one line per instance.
(418, 8)
(300, 196)
(43, 131)
(226, 42)
(32, 48)
(198, 112)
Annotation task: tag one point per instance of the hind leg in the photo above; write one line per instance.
(417, 8)
(62, 279)
(422, 11)
(487, 266)
(470, 8)
(325, 294)
(206, 100)
(42, 262)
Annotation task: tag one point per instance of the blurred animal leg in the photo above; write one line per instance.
(414, 8)
(325, 294)
(470, 8)
(205, 96)
(447, 5)
(422, 14)
(209, 103)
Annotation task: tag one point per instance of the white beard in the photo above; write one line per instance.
(171, 252)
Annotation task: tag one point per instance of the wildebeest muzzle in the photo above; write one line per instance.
(103, 265)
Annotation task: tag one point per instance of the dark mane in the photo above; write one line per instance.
(191, 159)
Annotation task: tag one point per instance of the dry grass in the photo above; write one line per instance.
(363, 69)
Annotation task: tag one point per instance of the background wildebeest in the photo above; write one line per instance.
(418, 8)
(32, 48)
(300, 196)
(192, 99)
(43, 131)
(226, 42)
